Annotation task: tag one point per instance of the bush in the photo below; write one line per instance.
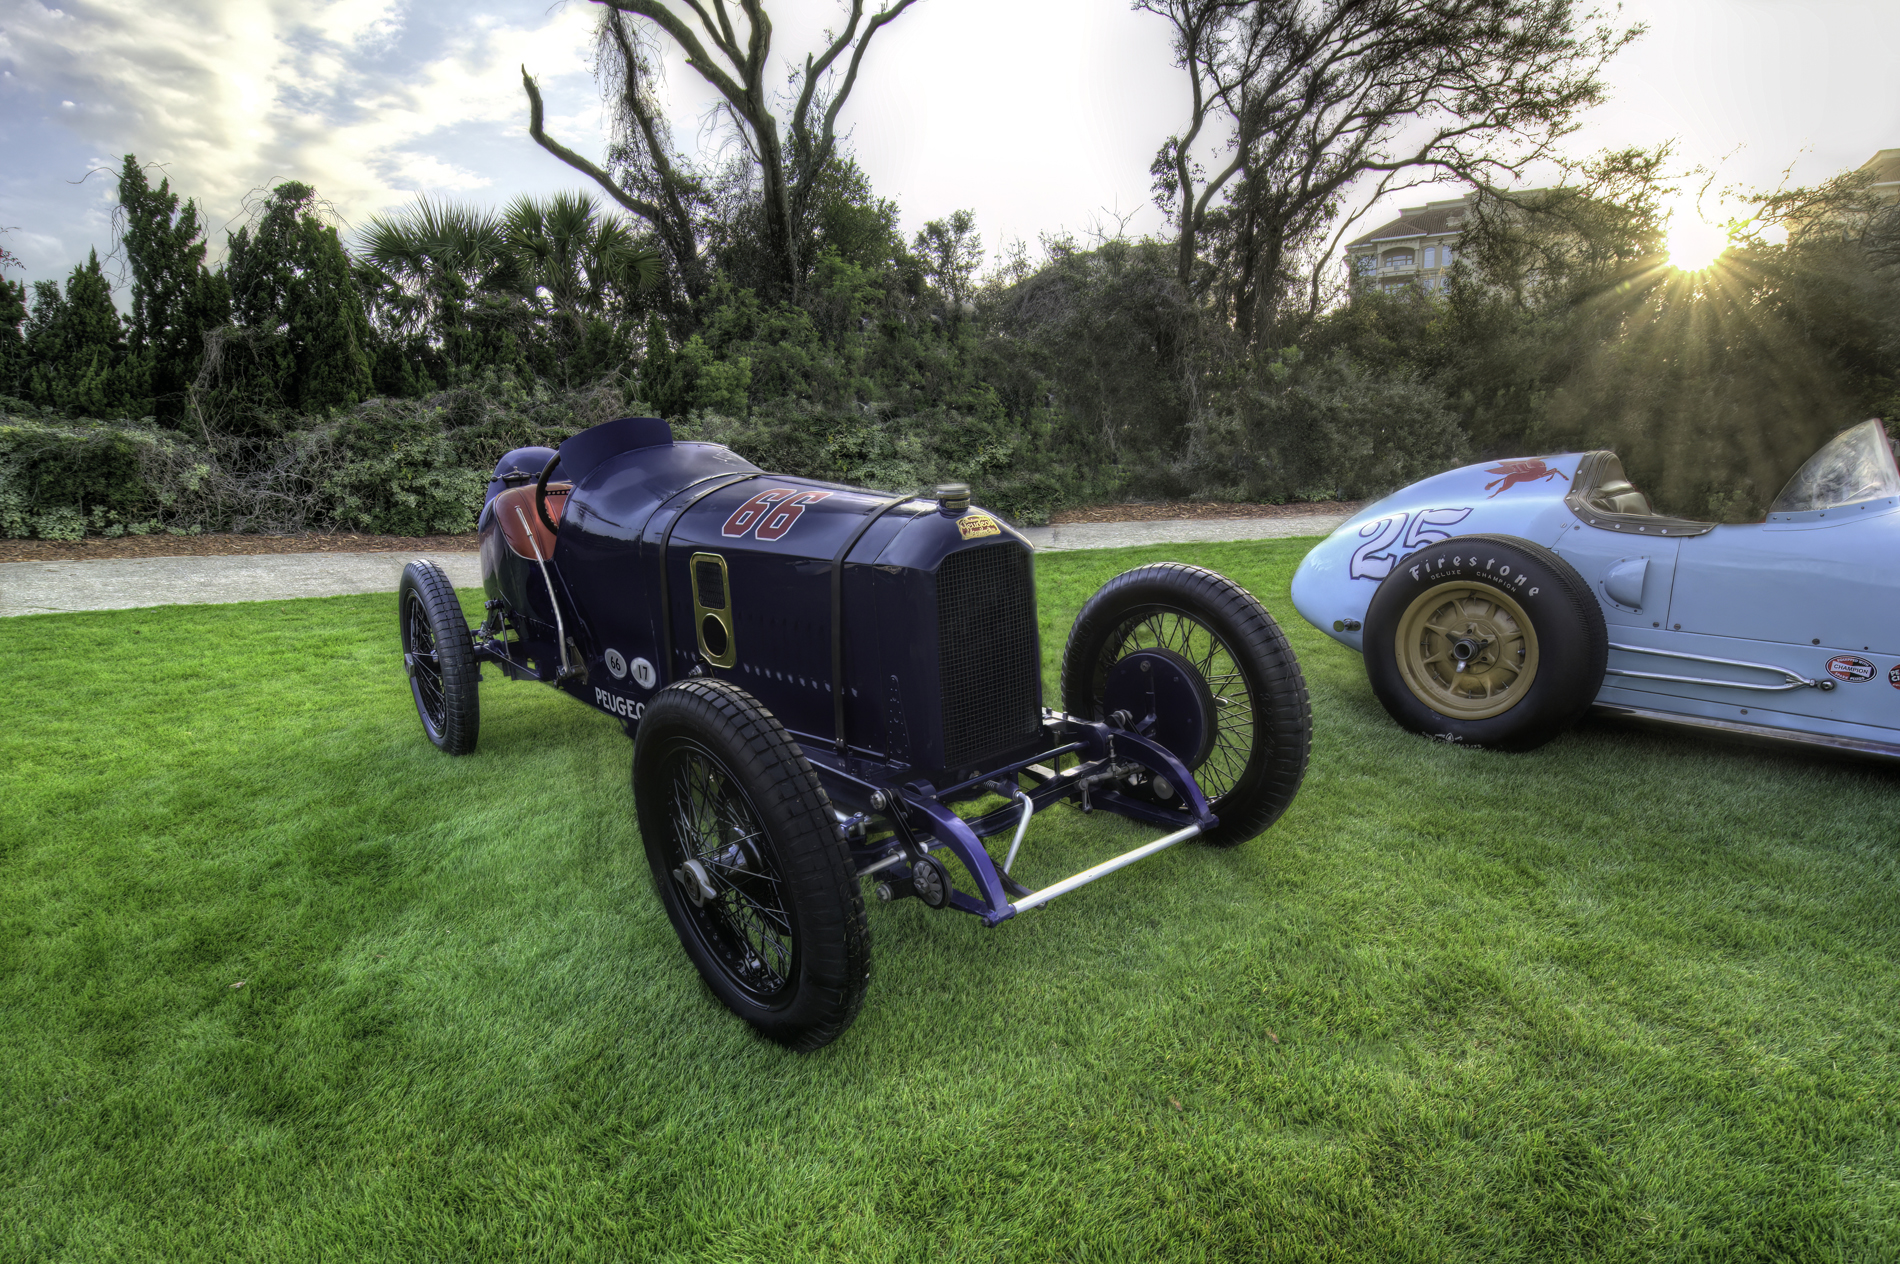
(60, 478)
(1008, 466)
(1333, 430)
(389, 466)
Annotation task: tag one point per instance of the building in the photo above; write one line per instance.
(1886, 168)
(1417, 248)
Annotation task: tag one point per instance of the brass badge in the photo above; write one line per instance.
(974, 525)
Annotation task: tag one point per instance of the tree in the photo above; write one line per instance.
(75, 344)
(174, 298)
(12, 315)
(292, 291)
(581, 271)
(551, 276)
(1568, 329)
(788, 157)
(952, 251)
(444, 290)
(1317, 94)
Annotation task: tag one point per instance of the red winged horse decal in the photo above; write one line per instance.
(1516, 472)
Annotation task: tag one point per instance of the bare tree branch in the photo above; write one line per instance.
(1316, 94)
(735, 64)
(536, 114)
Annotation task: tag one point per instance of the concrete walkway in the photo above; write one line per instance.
(130, 582)
(1118, 535)
(123, 583)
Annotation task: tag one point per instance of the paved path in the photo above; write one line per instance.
(122, 583)
(129, 582)
(1116, 535)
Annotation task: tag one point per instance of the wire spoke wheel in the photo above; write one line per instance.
(745, 923)
(1250, 766)
(422, 662)
(1179, 631)
(438, 655)
(749, 863)
(1467, 651)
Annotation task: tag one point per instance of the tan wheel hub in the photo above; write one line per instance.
(1467, 651)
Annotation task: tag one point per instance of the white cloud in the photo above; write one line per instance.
(230, 96)
(427, 173)
(1040, 116)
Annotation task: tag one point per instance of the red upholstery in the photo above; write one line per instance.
(522, 499)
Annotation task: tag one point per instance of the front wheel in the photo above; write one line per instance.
(1488, 640)
(1203, 656)
(749, 864)
(439, 656)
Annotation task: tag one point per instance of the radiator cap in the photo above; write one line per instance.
(953, 498)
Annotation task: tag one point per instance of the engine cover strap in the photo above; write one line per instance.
(837, 615)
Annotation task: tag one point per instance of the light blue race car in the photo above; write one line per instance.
(1496, 603)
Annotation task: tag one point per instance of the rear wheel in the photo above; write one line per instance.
(1489, 640)
(1239, 718)
(439, 656)
(749, 864)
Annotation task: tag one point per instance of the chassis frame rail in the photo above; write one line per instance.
(920, 818)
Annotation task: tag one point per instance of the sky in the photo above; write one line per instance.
(1042, 116)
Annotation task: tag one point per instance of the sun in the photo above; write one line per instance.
(1694, 245)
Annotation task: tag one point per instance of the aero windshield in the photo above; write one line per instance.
(1856, 465)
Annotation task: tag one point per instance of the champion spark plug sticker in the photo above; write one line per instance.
(1850, 667)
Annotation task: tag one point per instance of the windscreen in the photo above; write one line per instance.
(1856, 465)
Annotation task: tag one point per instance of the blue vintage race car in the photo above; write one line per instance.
(827, 686)
(1494, 604)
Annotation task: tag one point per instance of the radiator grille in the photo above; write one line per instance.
(989, 661)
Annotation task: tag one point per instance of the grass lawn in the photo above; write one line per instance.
(278, 981)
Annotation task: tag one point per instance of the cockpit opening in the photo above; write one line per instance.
(1603, 496)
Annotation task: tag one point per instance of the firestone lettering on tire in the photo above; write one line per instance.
(1457, 562)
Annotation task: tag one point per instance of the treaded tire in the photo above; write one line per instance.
(1571, 642)
(1260, 768)
(756, 793)
(439, 658)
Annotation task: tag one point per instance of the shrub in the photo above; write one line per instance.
(59, 477)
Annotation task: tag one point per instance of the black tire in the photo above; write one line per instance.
(1486, 582)
(1259, 754)
(782, 940)
(438, 654)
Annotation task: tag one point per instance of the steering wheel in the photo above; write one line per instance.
(541, 495)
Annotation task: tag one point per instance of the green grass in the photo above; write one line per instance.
(1631, 997)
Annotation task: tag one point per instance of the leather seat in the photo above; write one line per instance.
(516, 503)
(1619, 496)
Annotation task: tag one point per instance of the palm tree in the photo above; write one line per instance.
(474, 283)
(574, 261)
(420, 265)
